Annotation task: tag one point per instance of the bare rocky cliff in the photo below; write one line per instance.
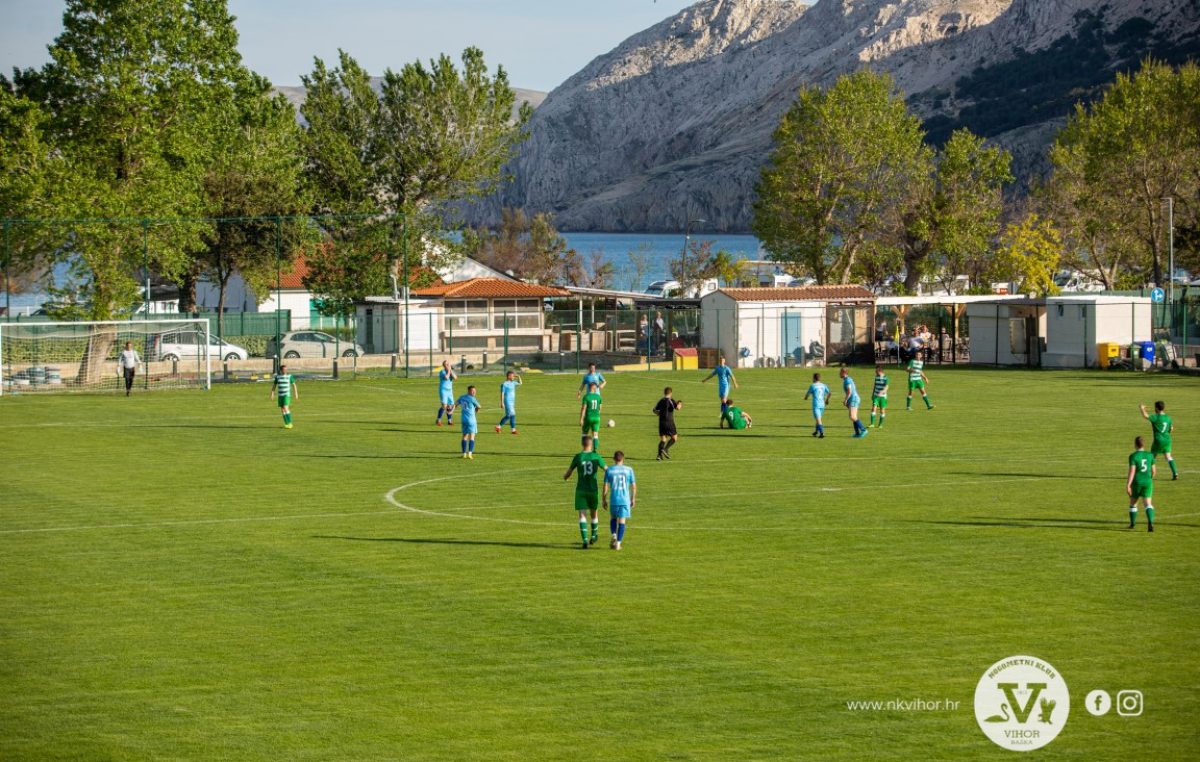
(676, 122)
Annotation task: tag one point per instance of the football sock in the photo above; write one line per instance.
(620, 531)
(287, 418)
(470, 445)
(660, 449)
(872, 419)
(1149, 515)
(512, 421)
(820, 429)
(928, 404)
(440, 411)
(670, 443)
(881, 417)
(908, 404)
(1132, 516)
(595, 529)
(583, 530)
(464, 446)
(1171, 463)
(612, 527)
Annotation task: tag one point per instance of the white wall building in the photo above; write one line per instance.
(765, 327)
(1056, 331)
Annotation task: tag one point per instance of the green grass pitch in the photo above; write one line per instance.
(181, 578)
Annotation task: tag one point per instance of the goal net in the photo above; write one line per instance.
(41, 358)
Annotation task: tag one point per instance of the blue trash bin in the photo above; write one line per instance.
(1148, 352)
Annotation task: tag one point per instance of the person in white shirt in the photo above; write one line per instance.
(129, 360)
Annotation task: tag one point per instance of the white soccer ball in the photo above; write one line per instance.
(611, 423)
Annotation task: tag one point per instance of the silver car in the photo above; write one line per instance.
(180, 344)
(313, 344)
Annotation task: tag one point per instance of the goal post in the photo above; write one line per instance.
(49, 357)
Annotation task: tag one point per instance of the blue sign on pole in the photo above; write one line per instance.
(1157, 295)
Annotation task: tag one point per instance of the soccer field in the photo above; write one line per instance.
(184, 579)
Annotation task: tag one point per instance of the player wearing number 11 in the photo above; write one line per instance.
(589, 464)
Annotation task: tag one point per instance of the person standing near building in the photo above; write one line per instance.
(129, 361)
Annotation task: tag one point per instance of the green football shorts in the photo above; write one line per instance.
(879, 402)
(1142, 489)
(587, 501)
(914, 386)
(285, 400)
(591, 426)
(1160, 447)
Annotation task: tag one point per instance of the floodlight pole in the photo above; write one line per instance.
(687, 233)
(404, 256)
(1171, 263)
(146, 266)
(7, 275)
(278, 290)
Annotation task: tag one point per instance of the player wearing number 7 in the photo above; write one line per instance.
(1140, 483)
(620, 494)
(587, 489)
(1161, 423)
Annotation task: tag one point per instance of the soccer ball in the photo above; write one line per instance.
(611, 423)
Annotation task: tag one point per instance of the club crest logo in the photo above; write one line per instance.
(1022, 703)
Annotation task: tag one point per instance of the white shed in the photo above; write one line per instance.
(1056, 331)
(765, 327)
(1077, 325)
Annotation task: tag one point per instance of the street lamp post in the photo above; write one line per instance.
(687, 234)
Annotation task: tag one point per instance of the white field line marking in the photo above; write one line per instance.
(193, 522)
(391, 498)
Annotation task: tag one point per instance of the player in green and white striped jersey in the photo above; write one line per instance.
(916, 382)
(283, 388)
(879, 397)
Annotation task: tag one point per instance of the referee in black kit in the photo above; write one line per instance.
(667, 435)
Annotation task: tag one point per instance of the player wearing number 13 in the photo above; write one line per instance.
(589, 464)
(620, 494)
(1140, 483)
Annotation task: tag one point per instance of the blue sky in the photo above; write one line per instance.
(539, 42)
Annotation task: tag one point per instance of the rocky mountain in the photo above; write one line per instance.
(296, 95)
(676, 122)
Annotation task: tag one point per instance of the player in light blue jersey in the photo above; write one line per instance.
(593, 376)
(446, 378)
(725, 377)
(620, 494)
(852, 402)
(820, 397)
(468, 404)
(508, 400)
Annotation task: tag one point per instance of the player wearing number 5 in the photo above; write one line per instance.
(589, 464)
(620, 494)
(1140, 483)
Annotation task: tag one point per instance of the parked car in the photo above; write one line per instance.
(671, 289)
(176, 346)
(313, 344)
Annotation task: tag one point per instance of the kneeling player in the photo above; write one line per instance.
(620, 493)
(1140, 483)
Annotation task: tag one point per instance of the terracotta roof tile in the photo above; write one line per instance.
(798, 294)
(293, 279)
(490, 288)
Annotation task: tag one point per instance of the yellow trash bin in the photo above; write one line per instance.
(1107, 351)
